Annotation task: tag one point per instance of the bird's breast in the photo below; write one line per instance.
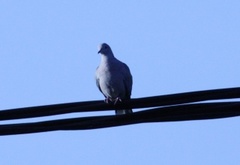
(111, 83)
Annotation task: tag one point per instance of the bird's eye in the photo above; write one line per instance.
(105, 47)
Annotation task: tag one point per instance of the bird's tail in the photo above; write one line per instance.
(123, 111)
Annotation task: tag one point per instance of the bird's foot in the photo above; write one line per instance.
(118, 99)
(108, 100)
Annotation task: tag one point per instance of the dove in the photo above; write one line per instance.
(113, 78)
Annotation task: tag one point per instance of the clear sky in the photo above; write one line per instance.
(48, 55)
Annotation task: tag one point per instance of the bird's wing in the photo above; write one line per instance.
(127, 80)
(97, 80)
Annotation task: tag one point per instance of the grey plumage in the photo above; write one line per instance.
(113, 78)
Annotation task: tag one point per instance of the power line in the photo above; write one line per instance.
(175, 107)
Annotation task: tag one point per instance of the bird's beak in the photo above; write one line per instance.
(99, 51)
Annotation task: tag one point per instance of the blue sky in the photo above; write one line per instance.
(48, 53)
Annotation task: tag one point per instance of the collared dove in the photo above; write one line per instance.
(113, 78)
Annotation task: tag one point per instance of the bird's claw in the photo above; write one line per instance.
(113, 101)
(108, 100)
(118, 99)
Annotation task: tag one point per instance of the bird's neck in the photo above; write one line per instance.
(107, 58)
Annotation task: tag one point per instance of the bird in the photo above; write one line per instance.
(113, 78)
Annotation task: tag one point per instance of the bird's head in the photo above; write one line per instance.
(104, 49)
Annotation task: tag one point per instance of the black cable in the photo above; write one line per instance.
(165, 114)
(88, 106)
